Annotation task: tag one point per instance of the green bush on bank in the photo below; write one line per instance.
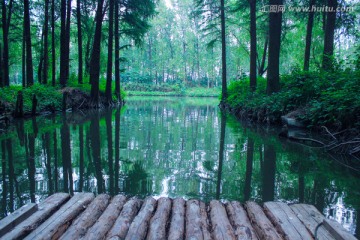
(325, 98)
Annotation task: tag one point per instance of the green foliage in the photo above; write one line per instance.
(49, 98)
(326, 98)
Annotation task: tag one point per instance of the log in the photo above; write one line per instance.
(311, 218)
(45, 209)
(122, 223)
(107, 219)
(337, 230)
(193, 220)
(262, 225)
(158, 223)
(177, 223)
(87, 219)
(221, 227)
(240, 221)
(57, 224)
(17, 217)
(139, 226)
(285, 221)
(204, 221)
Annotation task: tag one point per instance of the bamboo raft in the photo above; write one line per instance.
(85, 216)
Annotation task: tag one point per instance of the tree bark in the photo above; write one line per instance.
(46, 43)
(80, 66)
(327, 63)
(95, 56)
(273, 79)
(253, 45)
(117, 52)
(53, 50)
(223, 51)
(309, 28)
(108, 92)
(5, 27)
(63, 43)
(29, 61)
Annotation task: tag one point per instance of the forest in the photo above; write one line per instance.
(229, 100)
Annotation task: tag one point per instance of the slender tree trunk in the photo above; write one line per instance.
(1, 67)
(5, 27)
(80, 66)
(29, 61)
(262, 68)
(67, 45)
(63, 44)
(95, 56)
(309, 28)
(223, 51)
(327, 63)
(53, 54)
(117, 52)
(46, 43)
(108, 92)
(41, 62)
(253, 45)
(23, 61)
(273, 78)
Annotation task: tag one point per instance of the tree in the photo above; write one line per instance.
(46, 43)
(108, 92)
(95, 55)
(327, 62)
(6, 17)
(273, 78)
(117, 52)
(65, 41)
(309, 28)
(253, 44)
(223, 51)
(79, 29)
(27, 34)
(53, 50)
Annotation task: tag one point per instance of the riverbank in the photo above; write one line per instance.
(48, 100)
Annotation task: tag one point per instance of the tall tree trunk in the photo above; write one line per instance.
(108, 92)
(1, 67)
(327, 63)
(63, 44)
(5, 27)
(273, 78)
(117, 52)
(29, 61)
(53, 50)
(41, 61)
(223, 51)
(309, 28)
(80, 66)
(46, 43)
(253, 45)
(23, 61)
(67, 45)
(95, 56)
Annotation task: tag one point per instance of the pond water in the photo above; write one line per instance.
(175, 147)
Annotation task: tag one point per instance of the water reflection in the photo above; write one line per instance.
(169, 147)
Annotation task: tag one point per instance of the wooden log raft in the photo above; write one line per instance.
(261, 224)
(139, 226)
(158, 223)
(240, 221)
(107, 219)
(194, 222)
(286, 221)
(57, 224)
(122, 223)
(45, 209)
(177, 223)
(221, 227)
(87, 219)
